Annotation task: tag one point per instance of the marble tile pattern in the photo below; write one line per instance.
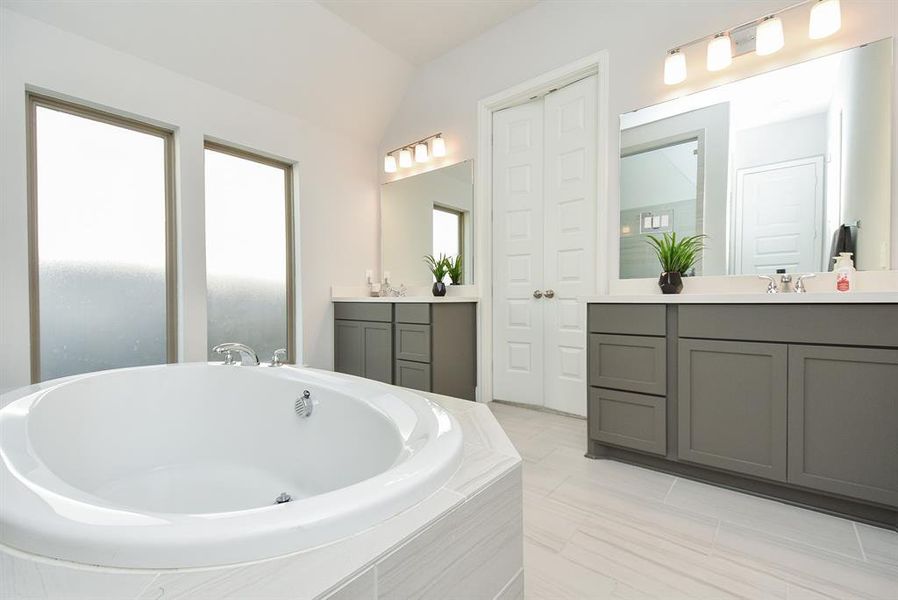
(475, 520)
(598, 529)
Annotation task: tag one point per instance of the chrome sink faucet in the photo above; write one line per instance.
(772, 287)
(784, 286)
(248, 356)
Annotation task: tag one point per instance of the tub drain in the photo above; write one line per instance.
(283, 498)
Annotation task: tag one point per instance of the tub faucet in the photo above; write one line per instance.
(248, 356)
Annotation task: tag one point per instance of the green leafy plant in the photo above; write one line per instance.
(439, 266)
(454, 268)
(677, 255)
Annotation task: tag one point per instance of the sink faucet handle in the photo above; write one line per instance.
(771, 284)
(799, 282)
(276, 357)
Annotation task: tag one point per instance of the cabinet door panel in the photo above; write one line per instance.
(843, 421)
(732, 406)
(377, 344)
(348, 354)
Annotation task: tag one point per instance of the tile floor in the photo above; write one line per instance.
(602, 529)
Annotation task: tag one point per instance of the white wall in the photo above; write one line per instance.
(337, 183)
(780, 142)
(443, 96)
(859, 98)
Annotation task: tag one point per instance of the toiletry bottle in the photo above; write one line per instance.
(844, 269)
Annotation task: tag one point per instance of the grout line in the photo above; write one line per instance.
(669, 490)
(857, 534)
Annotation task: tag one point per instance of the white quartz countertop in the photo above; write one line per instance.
(404, 299)
(748, 298)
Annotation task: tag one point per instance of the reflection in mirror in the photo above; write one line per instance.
(780, 171)
(430, 213)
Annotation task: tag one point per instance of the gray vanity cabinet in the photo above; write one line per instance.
(732, 406)
(364, 348)
(843, 421)
(419, 345)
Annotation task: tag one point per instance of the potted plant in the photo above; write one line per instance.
(676, 256)
(438, 267)
(454, 268)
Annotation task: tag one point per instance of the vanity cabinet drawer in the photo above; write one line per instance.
(628, 362)
(413, 313)
(627, 319)
(363, 311)
(413, 342)
(630, 420)
(413, 375)
(838, 324)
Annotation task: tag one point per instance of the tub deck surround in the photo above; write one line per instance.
(401, 556)
(789, 396)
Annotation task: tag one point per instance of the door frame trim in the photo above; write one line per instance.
(594, 64)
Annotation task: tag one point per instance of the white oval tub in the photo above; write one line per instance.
(180, 465)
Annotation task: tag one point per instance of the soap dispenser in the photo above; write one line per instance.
(844, 269)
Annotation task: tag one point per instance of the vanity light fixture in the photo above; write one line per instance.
(422, 153)
(769, 36)
(720, 52)
(674, 67)
(438, 146)
(762, 36)
(826, 19)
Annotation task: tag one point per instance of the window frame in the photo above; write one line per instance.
(33, 101)
(461, 226)
(290, 249)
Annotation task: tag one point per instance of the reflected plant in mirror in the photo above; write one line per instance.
(454, 269)
(782, 170)
(677, 258)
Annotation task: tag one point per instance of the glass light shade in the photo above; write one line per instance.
(389, 164)
(405, 158)
(720, 53)
(769, 36)
(826, 19)
(674, 68)
(438, 146)
(421, 153)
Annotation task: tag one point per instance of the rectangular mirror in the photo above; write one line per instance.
(780, 170)
(430, 213)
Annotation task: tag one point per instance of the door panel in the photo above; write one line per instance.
(843, 421)
(781, 207)
(570, 205)
(348, 347)
(732, 406)
(518, 253)
(377, 340)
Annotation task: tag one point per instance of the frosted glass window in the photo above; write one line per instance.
(446, 232)
(100, 200)
(247, 252)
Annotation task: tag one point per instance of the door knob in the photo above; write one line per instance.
(537, 294)
(549, 293)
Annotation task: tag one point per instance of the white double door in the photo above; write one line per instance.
(544, 240)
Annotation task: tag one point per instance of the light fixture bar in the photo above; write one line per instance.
(741, 26)
(416, 142)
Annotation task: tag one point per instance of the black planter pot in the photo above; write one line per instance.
(439, 288)
(670, 283)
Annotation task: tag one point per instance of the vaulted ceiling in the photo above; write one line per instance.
(345, 67)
